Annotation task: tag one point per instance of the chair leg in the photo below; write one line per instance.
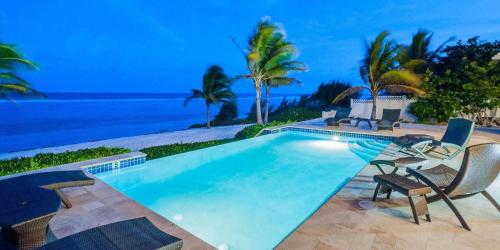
(413, 210)
(375, 193)
(446, 199)
(389, 191)
(64, 199)
(491, 199)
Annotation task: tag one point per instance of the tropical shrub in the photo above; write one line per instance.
(228, 112)
(326, 92)
(45, 160)
(253, 130)
(464, 81)
(177, 148)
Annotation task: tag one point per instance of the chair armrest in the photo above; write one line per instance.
(382, 162)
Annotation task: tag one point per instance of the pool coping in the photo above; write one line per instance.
(293, 128)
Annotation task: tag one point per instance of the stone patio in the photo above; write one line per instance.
(349, 220)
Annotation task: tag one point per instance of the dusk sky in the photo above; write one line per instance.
(165, 46)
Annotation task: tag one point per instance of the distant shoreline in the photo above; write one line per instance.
(62, 96)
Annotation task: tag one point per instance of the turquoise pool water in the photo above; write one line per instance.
(248, 194)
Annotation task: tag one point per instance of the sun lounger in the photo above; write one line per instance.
(457, 136)
(132, 234)
(479, 169)
(54, 180)
(390, 119)
(341, 116)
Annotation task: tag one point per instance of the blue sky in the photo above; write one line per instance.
(165, 46)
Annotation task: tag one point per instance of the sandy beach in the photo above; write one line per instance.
(142, 141)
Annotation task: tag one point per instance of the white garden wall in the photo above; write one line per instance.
(363, 107)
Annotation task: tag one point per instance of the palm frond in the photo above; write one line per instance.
(195, 94)
(403, 89)
(10, 57)
(403, 77)
(348, 92)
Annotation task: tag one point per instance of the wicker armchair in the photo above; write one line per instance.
(479, 169)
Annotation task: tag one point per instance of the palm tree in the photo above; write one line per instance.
(418, 55)
(269, 56)
(216, 89)
(380, 73)
(274, 83)
(10, 82)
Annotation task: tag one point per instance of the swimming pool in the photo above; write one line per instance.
(248, 194)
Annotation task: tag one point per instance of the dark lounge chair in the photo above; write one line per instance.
(479, 169)
(54, 180)
(341, 116)
(457, 136)
(390, 119)
(132, 234)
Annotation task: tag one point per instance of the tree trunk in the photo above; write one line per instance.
(374, 108)
(258, 111)
(208, 115)
(266, 115)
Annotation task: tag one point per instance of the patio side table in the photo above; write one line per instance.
(25, 214)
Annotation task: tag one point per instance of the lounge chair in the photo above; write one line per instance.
(457, 136)
(54, 180)
(341, 116)
(479, 169)
(132, 234)
(390, 119)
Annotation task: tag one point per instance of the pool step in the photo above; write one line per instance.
(367, 150)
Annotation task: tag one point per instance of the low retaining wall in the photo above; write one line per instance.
(94, 166)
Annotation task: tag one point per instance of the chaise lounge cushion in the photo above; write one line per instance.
(132, 234)
(51, 180)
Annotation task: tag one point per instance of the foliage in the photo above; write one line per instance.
(417, 56)
(379, 72)
(326, 92)
(295, 114)
(464, 81)
(172, 149)
(216, 89)
(253, 130)
(45, 160)
(10, 82)
(269, 59)
(227, 113)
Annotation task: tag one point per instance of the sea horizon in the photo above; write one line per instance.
(65, 118)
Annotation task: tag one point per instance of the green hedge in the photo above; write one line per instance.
(172, 149)
(39, 161)
(252, 131)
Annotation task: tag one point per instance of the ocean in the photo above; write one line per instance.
(68, 118)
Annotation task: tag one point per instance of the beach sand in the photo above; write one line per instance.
(142, 141)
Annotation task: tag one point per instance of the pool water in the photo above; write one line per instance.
(247, 194)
